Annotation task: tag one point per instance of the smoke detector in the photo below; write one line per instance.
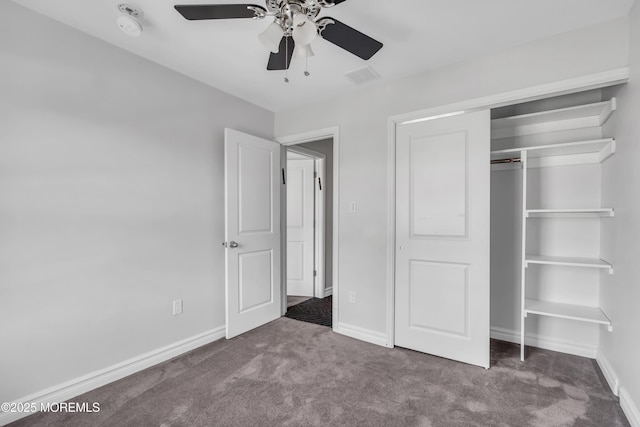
(128, 21)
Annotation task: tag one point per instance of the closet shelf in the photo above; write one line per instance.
(578, 152)
(570, 213)
(568, 261)
(561, 137)
(582, 116)
(567, 311)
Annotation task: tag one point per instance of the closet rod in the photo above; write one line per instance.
(502, 161)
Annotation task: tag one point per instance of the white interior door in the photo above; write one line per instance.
(300, 225)
(252, 203)
(442, 237)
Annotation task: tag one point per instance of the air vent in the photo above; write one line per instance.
(362, 75)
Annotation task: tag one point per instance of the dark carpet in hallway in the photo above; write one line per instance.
(314, 310)
(290, 373)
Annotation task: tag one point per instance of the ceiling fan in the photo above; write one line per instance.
(295, 25)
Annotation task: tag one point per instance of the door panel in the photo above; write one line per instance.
(295, 261)
(295, 194)
(439, 297)
(442, 237)
(300, 227)
(434, 160)
(255, 196)
(252, 212)
(255, 280)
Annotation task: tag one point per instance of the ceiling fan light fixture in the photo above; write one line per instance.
(304, 30)
(295, 23)
(303, 51)
(271, 37)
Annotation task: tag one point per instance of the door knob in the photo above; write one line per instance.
(233, 244)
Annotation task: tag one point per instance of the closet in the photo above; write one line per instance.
(540, 163)
(546, 218)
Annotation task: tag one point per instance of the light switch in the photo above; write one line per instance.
(177, 307)
(352, 207)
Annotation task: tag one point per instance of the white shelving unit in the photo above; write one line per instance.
(592, 151)
(581, 116)
(570, 213)
(561, 154)
(567, 311)
(567, 262)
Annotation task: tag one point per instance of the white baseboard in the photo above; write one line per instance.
(373, 337)
(608, 373)
(629, 407)
(328, 292)
(627, 404)
(78, 386)
(549, 343)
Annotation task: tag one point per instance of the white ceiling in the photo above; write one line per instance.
(418, 35)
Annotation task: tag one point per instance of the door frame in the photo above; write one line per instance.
(319, 227)
(301, 138)
(573, 85)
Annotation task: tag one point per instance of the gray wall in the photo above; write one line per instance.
(620, 293)
(362, 119)
(111, 203)
(325, 147)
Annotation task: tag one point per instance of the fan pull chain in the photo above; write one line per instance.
(306, 59)
(286, 59)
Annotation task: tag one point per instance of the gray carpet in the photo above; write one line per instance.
(291, 373)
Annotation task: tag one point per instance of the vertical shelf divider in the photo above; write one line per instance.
(523, 264)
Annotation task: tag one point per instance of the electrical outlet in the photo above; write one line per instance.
(177, 307)
(352, 297)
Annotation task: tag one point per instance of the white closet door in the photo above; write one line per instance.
(252, 203)
(300, 229)
(442, 237)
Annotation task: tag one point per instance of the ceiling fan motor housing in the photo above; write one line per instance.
(285, 12)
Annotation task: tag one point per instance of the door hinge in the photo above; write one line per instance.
(315, 174)
(315, 273)
(284, 179)
(320, 183)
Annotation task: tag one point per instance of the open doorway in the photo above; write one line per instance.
(309, 224)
